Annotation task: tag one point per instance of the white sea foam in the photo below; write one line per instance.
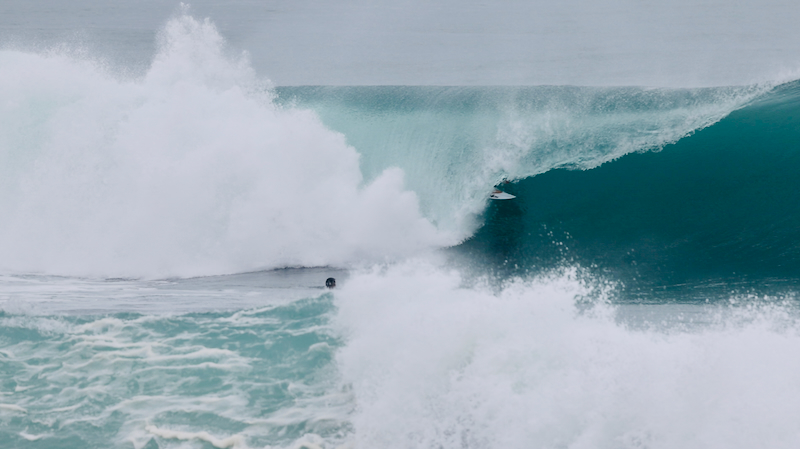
(12, 408)
(190, 170)
(31, 437)
(234, 441)
(435, 364)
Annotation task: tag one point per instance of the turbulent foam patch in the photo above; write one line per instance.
(254, 378)
(190, 170)
(234, 441)
(436, 364)
(405, 355)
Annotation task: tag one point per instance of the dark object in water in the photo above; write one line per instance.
(330, 282)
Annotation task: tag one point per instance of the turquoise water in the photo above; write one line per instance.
(696, 202)
(454, 141)
(262, 374)
(714, 207)
(170, 218)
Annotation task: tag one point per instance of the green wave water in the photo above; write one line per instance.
(719, 206)
(650, 187)
(258, 376)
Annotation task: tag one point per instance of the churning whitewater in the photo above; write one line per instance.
(165, 240)
(191, 170)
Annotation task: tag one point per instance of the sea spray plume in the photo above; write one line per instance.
(434, 364)
(184, 172)
(193, 51)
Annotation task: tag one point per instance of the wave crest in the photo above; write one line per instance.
(191, 170)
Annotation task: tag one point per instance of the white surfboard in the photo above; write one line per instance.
(500, 195)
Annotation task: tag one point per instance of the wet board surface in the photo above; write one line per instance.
(499, 195)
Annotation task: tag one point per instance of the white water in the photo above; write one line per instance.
(434, 364)
(190, 170)
(421, 360)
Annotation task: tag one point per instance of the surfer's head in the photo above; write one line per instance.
(330, 282)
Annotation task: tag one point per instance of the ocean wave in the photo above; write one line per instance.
(200, 167)
(190, 170)
(716, 207)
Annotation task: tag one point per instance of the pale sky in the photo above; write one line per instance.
(679, 43)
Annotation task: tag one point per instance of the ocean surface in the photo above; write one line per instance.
(176, 189)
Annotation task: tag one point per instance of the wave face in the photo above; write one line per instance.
(454, 143)
(653, 187)
(720, 204)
